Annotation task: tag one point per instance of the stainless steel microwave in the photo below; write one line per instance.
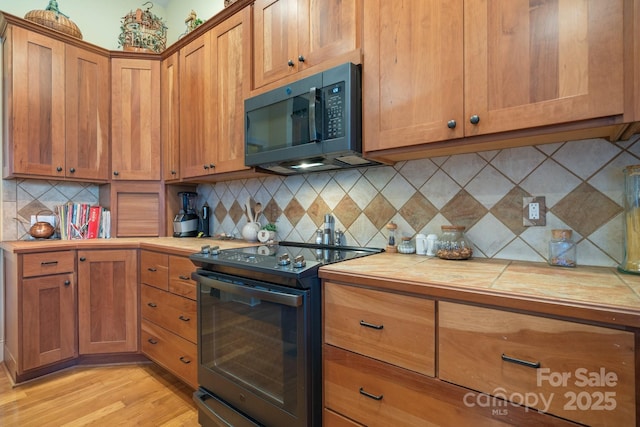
(313, 124)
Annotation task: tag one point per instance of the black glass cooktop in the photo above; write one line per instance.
(284, 258)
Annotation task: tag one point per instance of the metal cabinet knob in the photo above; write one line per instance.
(300, 58)
(59, 169)
(72, 170)
(475, 119)
(116, 173)
(451, 124)
(67, 282)
(290, 63)
(82, 259)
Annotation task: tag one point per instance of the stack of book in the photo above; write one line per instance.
(83, 221)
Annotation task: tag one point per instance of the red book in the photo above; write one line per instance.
(94, 222)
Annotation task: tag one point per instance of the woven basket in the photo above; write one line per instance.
(54, 21)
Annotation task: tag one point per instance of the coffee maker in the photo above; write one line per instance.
(185, 223)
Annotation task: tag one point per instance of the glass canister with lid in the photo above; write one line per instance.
(453, 243)
(562, 249)
(406, 246)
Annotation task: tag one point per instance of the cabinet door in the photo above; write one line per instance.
(327, 30)
(170, 114)
(412, 73)
(48, 320)
(37, 97)
(135, 116)
(197, 149)
(525, 66)
(275, 40)
(231, 80)
(107, 301)
(87, 95)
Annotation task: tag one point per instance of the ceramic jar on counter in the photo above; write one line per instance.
(453, 244)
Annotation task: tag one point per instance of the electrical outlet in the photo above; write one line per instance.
(533, 211)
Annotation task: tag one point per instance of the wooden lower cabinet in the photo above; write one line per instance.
(381, 366)
(398, 329)
(375, 393)
(169, 313)
(581, 372)
(108, 301)
(177, 355)
(48, 320)
(40, 312)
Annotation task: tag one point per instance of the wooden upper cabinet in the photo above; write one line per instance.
(230, 85)
(170, 115)
(56, 109)
(412, 73)
(526, 66)
(215, 76)
(135, 117)
(87, 113)
(293, 35)
(439, 70)
(197, 149)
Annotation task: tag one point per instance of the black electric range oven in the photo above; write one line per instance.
(259, 333)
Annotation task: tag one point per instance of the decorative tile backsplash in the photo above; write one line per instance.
(582, 182)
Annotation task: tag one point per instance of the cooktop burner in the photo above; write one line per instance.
(285, 259)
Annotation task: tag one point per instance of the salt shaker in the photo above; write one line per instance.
(432, 240)
(421, 244)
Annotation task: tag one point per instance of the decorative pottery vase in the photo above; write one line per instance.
(250, 231)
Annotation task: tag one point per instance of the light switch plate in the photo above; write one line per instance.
(534, 211)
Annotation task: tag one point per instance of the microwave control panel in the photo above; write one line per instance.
(334, 111)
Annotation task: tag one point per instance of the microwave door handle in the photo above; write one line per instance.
(313, 131)
(270, 296)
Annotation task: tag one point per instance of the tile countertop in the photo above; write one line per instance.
(596, 294)
(178, 245)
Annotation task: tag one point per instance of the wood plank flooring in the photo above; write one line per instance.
(122, 395)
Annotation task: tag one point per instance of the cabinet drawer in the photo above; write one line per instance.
(331, 419)
(580, 372)
(173, 312)
(397, 329)
(154, 269)
(176, 354)
(180, 269)
(42, 264)
(377, 394)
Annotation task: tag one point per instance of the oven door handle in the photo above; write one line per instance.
(281, 298)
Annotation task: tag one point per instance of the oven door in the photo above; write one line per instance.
(254, 348)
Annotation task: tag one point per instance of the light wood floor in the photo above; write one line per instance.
(123, 395)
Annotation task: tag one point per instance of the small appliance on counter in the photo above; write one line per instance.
(186, 222)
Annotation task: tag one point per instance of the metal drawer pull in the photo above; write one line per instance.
(370, 325)
(185, 360)
(371, 396)
(526, 363)
(181, 277)
(152, 269)
(152, 304)
(48, 262)
(184, 319)
(152, 341)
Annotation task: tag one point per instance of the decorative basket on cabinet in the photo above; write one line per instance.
(52, 18)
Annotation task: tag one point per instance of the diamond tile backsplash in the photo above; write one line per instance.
(582, 182)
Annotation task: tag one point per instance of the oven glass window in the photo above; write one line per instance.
(254, 343)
